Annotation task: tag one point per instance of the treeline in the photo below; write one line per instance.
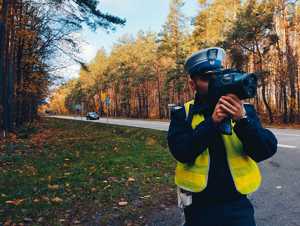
(32, 34)
(143, 74)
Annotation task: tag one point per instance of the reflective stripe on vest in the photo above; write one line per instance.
(245, 172)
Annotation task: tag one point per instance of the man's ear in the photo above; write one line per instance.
(192, 84)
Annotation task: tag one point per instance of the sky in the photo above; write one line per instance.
(139, 14)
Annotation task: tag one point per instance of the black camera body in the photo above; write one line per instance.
(208, 63)
(227, 81)
(233, 81)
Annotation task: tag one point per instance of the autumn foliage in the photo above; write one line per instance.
(144, 73)
(33, 34)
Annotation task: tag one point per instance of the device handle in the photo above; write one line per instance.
(225, 126)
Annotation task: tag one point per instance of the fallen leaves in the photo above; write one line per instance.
(107, 186)
(130, 179)
(8, 222)
(45, 198)
(29, 170)
(15, 202)
(39, 138)
(92, 170)
(53, 187)
(56, 200)
(151, 141)
(145, 196)
(122, 203)
(61, 177)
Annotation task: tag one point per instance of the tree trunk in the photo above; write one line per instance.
(285, 110)
(269, 110)
(3, 41)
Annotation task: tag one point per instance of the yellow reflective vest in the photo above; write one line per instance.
(245, 172)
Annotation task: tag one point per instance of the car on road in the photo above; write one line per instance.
(92, 116)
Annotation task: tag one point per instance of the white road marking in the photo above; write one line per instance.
(285, 146)
(287, 134)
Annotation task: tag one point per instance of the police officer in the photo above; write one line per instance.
(215, 172)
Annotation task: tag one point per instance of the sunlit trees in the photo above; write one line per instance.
(33, 34)
(144, 73)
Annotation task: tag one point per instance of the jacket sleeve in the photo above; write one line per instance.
(186, 144)
(259, 143)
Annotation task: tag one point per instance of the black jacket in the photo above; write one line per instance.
(186, 144)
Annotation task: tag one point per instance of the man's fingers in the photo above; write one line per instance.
(234, 96)
(227, 109)
(228, 105)
(221, 110)
(232, 101)
(222, 115)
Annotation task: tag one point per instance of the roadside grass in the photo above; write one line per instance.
(67, 172)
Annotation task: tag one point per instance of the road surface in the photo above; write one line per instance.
(277, 202)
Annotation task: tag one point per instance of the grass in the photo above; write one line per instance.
(70, 172)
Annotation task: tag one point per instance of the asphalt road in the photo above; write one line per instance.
(277, 202)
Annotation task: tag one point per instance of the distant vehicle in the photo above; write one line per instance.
(92, 116)
(49, 112)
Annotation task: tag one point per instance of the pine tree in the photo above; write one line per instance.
(213, 21)
(172, 39)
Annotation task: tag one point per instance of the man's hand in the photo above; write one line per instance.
(219, 114)
(233, 106)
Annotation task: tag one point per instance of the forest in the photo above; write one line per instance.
(144, 72)
(32, 34)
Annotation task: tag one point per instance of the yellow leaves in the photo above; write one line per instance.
(29, 170)
(130, 179)
(58, 98)
(92, 170)
(151, 141)
(103, 96)
(53, 187)
(54, 200)
(57, 200)
(211, 27)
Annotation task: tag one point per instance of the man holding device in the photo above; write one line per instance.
(217, 140)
